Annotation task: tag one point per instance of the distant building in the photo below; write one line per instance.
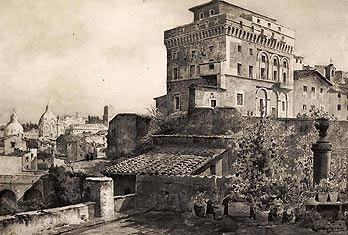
(48, 125)
(72, 146)
(77, 129)
(15, 155)
(108, 114)
(125, 133)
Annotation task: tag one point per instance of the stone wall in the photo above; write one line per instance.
(125, 203)
(174, 193)
(10, 165)
(36, 221)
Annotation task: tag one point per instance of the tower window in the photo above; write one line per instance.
(339, 107)
(251, 68)
(263, 59)
(193, 54)
(240, 99)
(239, 48)
(239, 69)
(175, 73)
(251, 52)
(176, 102)
(192, 70)
(201, 15)
(283, 106)
(339, 95)
(275, 75)
(211, 12)
(211, 65)
(213, 103)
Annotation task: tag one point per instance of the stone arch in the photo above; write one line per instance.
(8, 202)
(275, 67)
(261, 102)
(274, 97)
(32, 195)
(263, 59)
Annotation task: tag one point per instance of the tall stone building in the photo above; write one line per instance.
(229, 57)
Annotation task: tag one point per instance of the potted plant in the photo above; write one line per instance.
(200, 204)
(333, 188)
(322, 190)
(218, 207)
(276, 211)
(261, 212)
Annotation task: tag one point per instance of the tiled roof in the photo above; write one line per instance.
(166, 161)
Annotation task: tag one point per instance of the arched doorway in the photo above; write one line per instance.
(261, 103)
(32, 195)
(8, 202)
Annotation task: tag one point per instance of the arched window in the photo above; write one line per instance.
(211, 12)
(275, 68)
(263, 65)
(285, 70)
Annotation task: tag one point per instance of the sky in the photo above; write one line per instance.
(83, 54)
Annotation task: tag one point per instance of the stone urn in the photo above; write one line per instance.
(322, 125)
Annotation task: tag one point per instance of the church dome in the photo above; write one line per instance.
(13, 127)
(48, 116)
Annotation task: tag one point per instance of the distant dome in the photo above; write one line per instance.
(48, 116)
(13, 127)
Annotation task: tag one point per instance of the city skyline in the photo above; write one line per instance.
(112, 52)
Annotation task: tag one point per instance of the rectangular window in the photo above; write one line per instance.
(176, 102)
(275, 62)
(201, 15)
(284, 77)
(263, 74)
(251, 72)
(239, 48)
(211, 65)
(339, 107)
(192, 70)
(251, 52)
(240, 99)
(174, 55)
(175, 73)
(193, 54)
(339, 95)
(239, 69)
(313, 90)
(321, 90)
(304, 107)
(283, 106)
(304, 88)
(212, 170)
(213, 103)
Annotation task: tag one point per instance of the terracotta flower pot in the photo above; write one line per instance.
(200, 210)
(333, 196)
(262, 217)
(342, 197)
(322, 197)
(310, 197)
(218, 213)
